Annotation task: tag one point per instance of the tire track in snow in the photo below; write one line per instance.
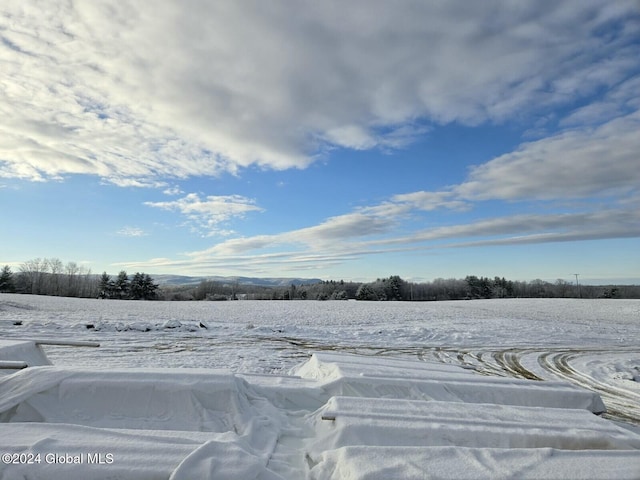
(623, 404)
(509, 360)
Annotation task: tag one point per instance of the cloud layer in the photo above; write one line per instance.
(144, 94)
(569, 169)
(138, 92)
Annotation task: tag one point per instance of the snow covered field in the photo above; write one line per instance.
(383, 396)
(592, 343)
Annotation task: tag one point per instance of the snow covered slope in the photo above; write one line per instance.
(336, 416)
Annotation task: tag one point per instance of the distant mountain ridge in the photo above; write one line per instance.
(266, 282)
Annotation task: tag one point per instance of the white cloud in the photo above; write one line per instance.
(522, 229)
(173, 191)
(131, 232)
(618, 101)
(296, 250)
(573, 164)
(330, 235)
(138, 91)
(428, 201)
(210, 212)
(351, 136)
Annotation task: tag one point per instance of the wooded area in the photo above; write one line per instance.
(50, 276)
(53, 277)
(395, 288)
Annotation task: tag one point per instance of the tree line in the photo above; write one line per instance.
(53, 277)
(474, 287)
(50, 276)
(394, 288)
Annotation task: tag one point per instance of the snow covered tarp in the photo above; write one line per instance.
(161, 399)
(175, 421)
(346, 421)
(25, 352)
(336, 416)
(461, 463)
(394, 378)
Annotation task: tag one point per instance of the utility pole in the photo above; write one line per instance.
(578, 285)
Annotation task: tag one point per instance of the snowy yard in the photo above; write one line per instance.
(383, 397)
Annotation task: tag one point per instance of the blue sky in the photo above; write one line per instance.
(329, 139)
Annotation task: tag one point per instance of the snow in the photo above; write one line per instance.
(320, 390)
(455, 463)
(400, 379)
(355, 421)
(27, 352)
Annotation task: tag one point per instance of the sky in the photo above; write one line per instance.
(334, 140)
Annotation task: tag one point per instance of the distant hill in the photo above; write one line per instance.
(265, 282)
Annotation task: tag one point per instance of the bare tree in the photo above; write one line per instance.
(54, 279)
(72, 269)
(31, 275)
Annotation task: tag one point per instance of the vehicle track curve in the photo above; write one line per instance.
(620, 393)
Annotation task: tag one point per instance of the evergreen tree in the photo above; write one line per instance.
(106, 286)
(142, 287)
(149, 288)
(6, 280)
(136, 286)
(122, 285)
(365, 292)
(396, 287)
